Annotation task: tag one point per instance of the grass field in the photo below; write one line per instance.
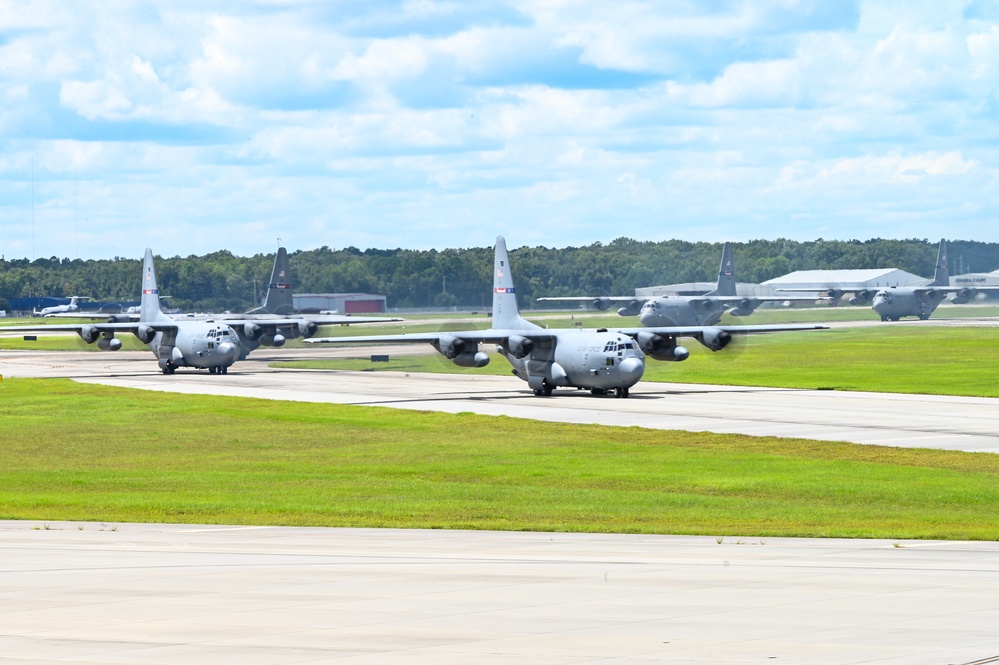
(100, 454)
(930, 360)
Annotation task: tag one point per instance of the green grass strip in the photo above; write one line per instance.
(93, 453)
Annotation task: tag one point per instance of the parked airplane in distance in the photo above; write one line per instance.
(277, 320)
(895, 302)
(705, 310)
(601, 360)
(63, 310)
(207, 345)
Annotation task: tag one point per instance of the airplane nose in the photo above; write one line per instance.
(631, 370)
(228, 351)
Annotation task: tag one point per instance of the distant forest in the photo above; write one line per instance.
(463, 277)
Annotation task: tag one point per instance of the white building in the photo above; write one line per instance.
(823, 280)
(976, 279)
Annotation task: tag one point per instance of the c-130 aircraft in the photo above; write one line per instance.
(704, 310)
(210, 345)
(895, 302)
(601, 360)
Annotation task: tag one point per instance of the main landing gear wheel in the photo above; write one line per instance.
(597, 391)
(169, 369)
(545, 390)
(620, 392)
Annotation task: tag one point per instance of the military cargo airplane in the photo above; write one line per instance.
(277, 320)
(210, 345)
(894, 302)
(705, 310)
(601, 360)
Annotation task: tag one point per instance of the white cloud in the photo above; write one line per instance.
(596, 118)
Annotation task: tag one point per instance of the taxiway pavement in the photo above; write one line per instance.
(172, 594)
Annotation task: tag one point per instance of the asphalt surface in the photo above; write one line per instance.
(182, 594)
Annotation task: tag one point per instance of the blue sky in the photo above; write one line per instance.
(191, 127)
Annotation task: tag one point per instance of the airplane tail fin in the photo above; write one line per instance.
(279, 298)
(941, 276)
(506, 314)
(726, 274)
(149, 309)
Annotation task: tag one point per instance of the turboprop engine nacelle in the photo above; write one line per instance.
(307, 328)
(450, 346)
(715, 339)
(661, 348)
(861, 298)
(89, 334)
(744, 307)
(601, 303)
(963, 297)
(145, 334)
(634, 308)
(518, 346)
(252, 330)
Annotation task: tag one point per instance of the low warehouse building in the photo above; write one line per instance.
(342, 303)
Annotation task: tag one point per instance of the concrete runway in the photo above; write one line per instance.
(165, 594)
(172, 594)
(953, 423)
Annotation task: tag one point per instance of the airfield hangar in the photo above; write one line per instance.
(342, 303)
(976, 279)
(819, 280)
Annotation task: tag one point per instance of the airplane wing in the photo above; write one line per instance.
(600, 302)
(697, 331)
(275, 320)
(491, 336)
(304, 326)
(713, 337)
(90, 332)
(159, 326)
(591, 299)
(103, 316)
(735, 300)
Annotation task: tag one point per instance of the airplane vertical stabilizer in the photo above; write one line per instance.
(149, 307)
(941, 276)
(726, 274)
(279, 298)
(505, 311)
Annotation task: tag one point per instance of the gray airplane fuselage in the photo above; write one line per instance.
(680, 311)
(599, 361)
(205, 345)
(896, 302)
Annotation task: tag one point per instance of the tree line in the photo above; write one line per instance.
(222, 281)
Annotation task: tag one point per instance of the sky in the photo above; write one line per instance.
(193, 126)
